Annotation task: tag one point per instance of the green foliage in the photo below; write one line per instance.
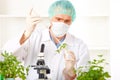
(10, 67)
(62, 46)
(95, 71)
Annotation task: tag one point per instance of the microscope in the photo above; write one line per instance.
(42, 69)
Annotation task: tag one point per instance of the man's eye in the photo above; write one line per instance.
(58, 19)
(67, 21)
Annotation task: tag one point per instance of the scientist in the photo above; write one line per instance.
(27, 46)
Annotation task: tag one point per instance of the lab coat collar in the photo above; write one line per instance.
(68, 39)
(46, 37)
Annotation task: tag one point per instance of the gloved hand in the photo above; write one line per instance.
(70, 60)
(31, 21)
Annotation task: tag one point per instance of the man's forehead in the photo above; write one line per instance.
(63, 16)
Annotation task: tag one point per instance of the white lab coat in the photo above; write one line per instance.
(29, 50)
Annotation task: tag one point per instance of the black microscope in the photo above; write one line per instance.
(40, 66)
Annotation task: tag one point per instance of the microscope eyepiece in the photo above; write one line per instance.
(42, 48)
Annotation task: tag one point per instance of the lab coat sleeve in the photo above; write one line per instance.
(21, 51)
(13, 46)
(83, 55)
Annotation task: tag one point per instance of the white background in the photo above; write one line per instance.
(115, 39)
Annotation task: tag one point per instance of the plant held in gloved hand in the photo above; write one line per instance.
(62, 46)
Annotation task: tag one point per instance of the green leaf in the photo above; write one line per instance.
(106, 74)
(62, 46)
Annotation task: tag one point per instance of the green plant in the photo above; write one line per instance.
(1, 66)
(1, 72)
(62, 46)
(10, 67)
(95, 70)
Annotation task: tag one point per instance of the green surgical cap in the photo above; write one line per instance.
(62, 7)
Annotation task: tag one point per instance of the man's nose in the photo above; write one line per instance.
(63, 21)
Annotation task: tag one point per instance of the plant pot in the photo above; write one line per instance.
(1, 77)
(9, 78)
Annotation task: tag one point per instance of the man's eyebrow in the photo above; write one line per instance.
(59, 17)
(62, 19)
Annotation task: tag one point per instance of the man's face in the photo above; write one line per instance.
(62, 18)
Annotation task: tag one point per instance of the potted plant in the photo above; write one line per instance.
(1, 72)
(95, 70)
(11, 68)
